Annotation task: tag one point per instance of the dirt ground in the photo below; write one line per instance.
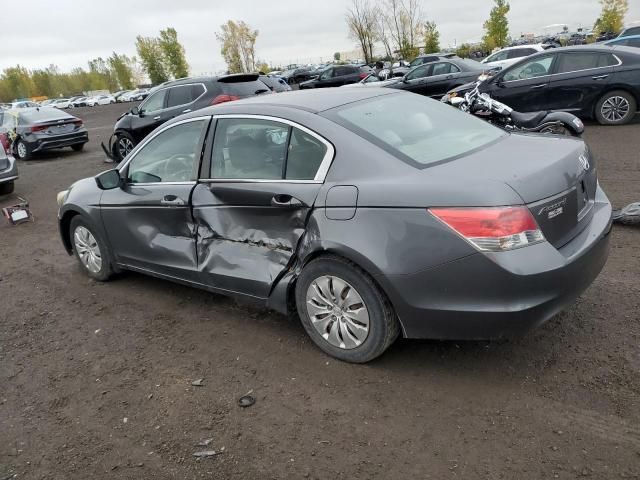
(95, 379)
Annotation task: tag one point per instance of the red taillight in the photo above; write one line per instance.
(363, 76)
(77, 123)
(492, 229)
(39, 128)
(224, 98)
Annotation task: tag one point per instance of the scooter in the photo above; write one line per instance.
(503, 116)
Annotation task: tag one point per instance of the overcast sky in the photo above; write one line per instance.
(70, 32)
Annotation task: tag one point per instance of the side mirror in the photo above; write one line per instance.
(135, 111)
(109, 180)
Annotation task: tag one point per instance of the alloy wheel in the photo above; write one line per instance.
(615, 109)
(124, 146)
(338, 312)
(88, 249)
(22, 150)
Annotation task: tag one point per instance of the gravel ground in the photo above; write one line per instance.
(95, 379)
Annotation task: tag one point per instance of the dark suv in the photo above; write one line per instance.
(338, 76)
(174, 98)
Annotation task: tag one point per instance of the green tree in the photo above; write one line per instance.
(173, 53)
(18, 83)
(121, 68)
(336, 56)
(612, 16)
(464, 50)
(497, 26)
(431, 38)
(150, 55)
(238, 42)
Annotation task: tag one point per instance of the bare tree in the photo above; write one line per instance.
(362, 23)
(238, 46)
(404, 20)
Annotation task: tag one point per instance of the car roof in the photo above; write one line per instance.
(524, 45)
(312, 100)
(620, 39)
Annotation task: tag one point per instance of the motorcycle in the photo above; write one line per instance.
(503, 116)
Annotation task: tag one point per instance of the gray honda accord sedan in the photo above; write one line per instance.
(373, 213)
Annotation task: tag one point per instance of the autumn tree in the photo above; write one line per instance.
(151, 57)
(497, 26)
(431, 38)
(464, 50)
(612, 16)
(173, 53)
(238, 42)
(361, 21)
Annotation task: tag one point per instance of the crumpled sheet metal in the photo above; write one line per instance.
(629, 215)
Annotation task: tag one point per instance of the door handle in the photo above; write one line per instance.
(172, 200)
(186, 111)
(285, 201)
(157, 118)
(600, 77)
(535, 87)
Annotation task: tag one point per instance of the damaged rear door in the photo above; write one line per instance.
(252, 202)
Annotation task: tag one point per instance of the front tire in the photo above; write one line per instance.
(77, 147)
(344, 311)
(123, 145)
(616, 108)
(90, 250)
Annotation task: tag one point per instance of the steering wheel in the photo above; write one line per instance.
(533, 70)
(181, 168)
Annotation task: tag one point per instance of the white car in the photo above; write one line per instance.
(510, 55)
(24, 104)
(100, 100)
(60, 103)
(372, 80)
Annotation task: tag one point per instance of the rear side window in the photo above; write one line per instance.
(521, 52)
(243, 89)
(573, 62)
(179, 95)
(254, 149)
(498, 57)
(444, 68)
(414, 128)
(633, 42)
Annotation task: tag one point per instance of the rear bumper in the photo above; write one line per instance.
(45, 143)
(10, 173)
(501, 295)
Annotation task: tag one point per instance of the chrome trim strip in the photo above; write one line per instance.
(255, 180)
(8, 179)
(321, 174)
(159, 183)
(150, 137)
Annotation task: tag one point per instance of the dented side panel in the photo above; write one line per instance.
(245, 243)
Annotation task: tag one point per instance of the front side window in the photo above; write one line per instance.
(154, 103)
(419, 72)
(171, 156)
(498, 57)
(538, 67)
(415, 129)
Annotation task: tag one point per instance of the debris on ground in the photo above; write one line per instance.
(206, 454)
(246, 400)
(204, 443)
(198, 383)
(17, 214)
(629, 215)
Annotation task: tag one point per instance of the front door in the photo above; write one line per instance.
(524, 87)
(416, 80)
(149, 115)
(148, 221)
(251, 205)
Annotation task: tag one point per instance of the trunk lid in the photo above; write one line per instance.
(555, 177)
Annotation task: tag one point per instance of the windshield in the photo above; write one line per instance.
(416, 129)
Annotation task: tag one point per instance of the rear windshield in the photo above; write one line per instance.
(38, 115)
(243, 89)
(416, 129)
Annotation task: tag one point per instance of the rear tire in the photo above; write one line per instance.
(6, 188)
(23, 151)
(616, 108)
(90, 250)
(344, 311)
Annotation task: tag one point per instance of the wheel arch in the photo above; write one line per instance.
(65, 227)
